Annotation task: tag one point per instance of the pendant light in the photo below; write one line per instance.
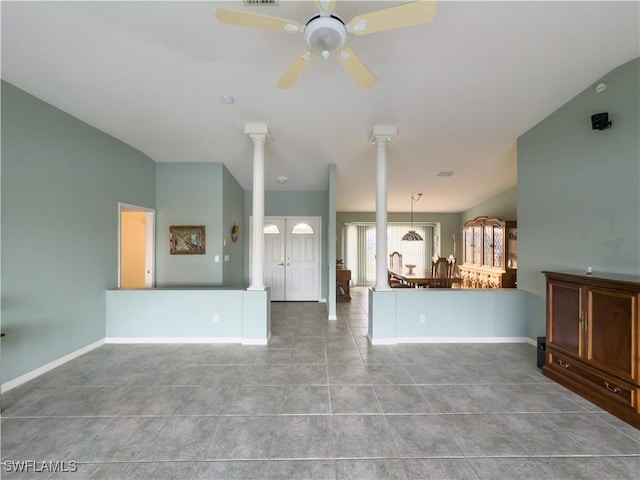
(412, 235)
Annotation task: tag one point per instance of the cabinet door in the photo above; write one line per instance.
(468, 245)
(612, 328)
(498, 246)
(477, 245)
(565, 326)
(487, 245)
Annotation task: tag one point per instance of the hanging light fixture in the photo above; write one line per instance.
(412, 235)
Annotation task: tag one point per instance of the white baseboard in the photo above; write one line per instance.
(49, 366)
(382, 341)
(333, 317)
(255, 341)
(397, 340)
(173, 340)
(463, 340)
(322, 300)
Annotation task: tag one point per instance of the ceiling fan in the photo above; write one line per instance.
(326, 34)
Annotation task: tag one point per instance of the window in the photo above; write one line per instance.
(360, 248)
(302, 229)
(271, 229)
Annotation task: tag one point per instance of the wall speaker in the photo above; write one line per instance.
(600, 121)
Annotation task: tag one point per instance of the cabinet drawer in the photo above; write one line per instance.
(603, 384)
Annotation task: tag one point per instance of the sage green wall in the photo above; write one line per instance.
(449, 223)
(578, 188)
(233, 212)
(293, 204)
(447, 315)
(189, 194)
(504, 206)
(61, 183)
(206, 315)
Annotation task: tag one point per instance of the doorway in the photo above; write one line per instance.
(136, 246)
(292, 258)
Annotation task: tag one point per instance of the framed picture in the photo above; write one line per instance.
(187, 240)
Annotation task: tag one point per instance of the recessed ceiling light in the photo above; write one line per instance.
(226, 99)
(282, 180)
(445, 174)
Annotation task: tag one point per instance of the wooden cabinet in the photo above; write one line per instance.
(490, 254)
(343, 279)
(593, 339)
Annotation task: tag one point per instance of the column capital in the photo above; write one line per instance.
(383, 133)
(258, 138)
(257, 131)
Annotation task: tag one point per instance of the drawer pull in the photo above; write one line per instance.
(563, 365)
(611, 389)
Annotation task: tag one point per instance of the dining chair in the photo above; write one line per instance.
(395, 263)
(456, 281)
(441, 272)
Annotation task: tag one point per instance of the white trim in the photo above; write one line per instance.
(49, 366)
(150, 249)
(397, 340)
(254, 341)
(333, 317)
(382, 341)
(532, 342)
(322, 300)
(462, 340)
(123, 340)
(150, 228)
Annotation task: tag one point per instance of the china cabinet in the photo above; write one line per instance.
(593, 339)
(490, 253)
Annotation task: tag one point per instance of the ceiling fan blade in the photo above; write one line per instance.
(326, 6)
(356, 68)
(246, 19)
(294, 71)
(413, 13)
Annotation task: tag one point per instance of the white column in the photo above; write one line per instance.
(258, 134)
(381, 136)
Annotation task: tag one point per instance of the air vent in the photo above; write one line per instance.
(445, 174)
(261, 3)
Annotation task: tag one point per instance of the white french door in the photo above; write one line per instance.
(292, 258)
(274, 257)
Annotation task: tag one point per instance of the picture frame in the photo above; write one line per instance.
(187, 240)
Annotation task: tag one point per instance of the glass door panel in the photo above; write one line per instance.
(477, 245)
(498, 246)
(486, 246)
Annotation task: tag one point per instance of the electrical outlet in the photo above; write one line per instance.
(226, 258)
(423, 318)
(216, 318)
(216, 258)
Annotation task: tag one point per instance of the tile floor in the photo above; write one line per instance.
(317, 403)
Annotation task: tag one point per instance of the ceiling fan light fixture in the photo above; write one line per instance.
(325, 35)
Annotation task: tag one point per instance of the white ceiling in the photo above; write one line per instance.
(460, 90)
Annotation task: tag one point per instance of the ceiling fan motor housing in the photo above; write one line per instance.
(325, 34)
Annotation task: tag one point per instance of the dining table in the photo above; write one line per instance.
(421, 277)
